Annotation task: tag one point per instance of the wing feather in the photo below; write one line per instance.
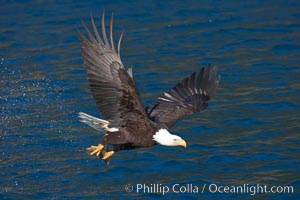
(190, 96)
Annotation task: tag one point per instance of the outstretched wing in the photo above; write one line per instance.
(190, 96)
(113, 87)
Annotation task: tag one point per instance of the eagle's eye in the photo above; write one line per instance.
(175, 140)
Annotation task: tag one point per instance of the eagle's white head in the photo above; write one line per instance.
(164, 137)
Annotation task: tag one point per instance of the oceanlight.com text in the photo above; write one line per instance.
(251, 189)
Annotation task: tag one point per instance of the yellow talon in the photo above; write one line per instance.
(108, 154)
(98, 153)
(95, 149)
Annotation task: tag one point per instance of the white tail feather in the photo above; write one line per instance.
(96, 123)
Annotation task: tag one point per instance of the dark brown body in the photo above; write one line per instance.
(126, 139)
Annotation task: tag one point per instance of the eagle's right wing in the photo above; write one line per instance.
(190, 96)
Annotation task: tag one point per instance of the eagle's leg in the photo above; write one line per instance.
(95, 149)
(108, 153)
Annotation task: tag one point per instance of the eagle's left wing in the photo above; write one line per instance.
(113, 87)
(190, 96)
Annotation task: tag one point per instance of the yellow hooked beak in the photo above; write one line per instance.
(181, 142)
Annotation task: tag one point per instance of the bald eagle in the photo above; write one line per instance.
(127, 124)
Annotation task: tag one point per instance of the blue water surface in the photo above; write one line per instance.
(249, 134)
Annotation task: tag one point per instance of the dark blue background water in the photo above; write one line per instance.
(248, 135)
